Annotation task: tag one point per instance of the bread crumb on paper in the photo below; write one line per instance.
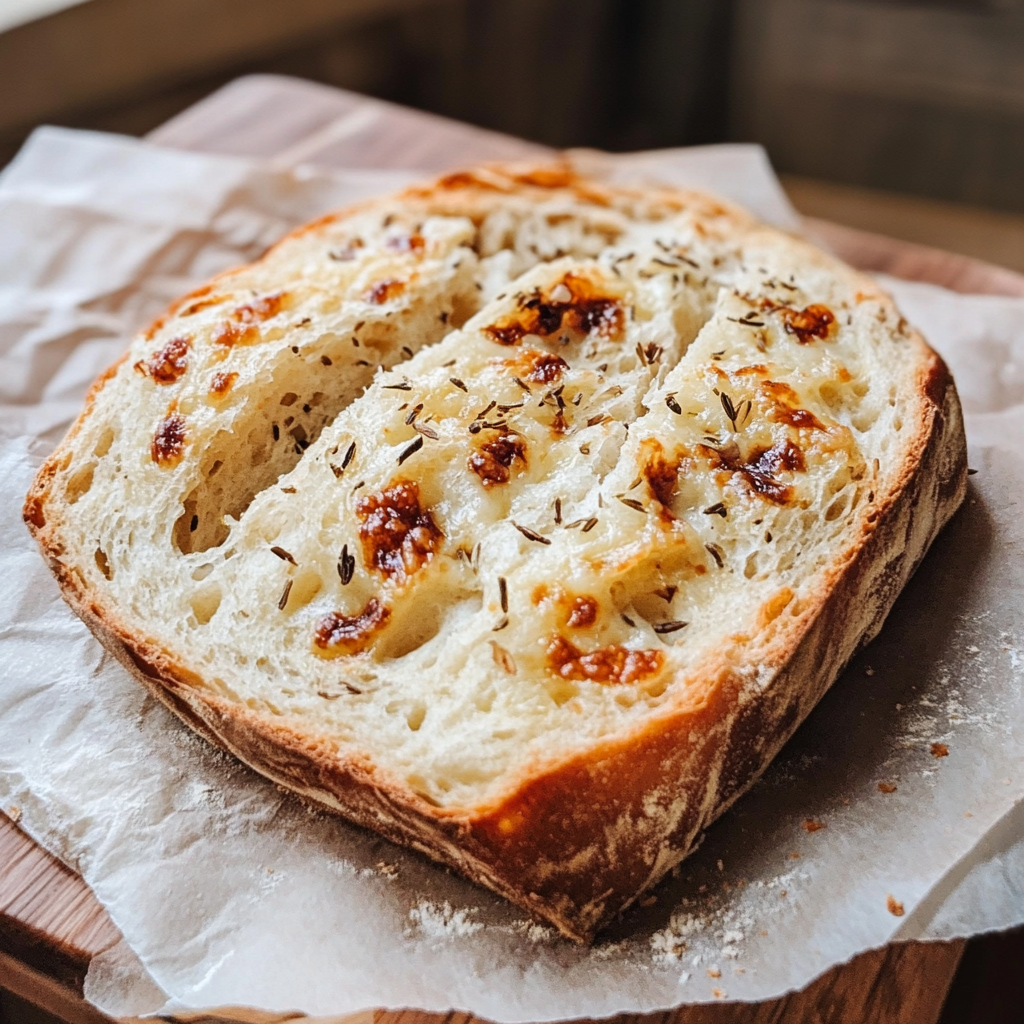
(812, 825)
(894, 906)
(718, 993)
(714, 972)
(670, 943)
(14, 813)
(939, 750)
(887, 787)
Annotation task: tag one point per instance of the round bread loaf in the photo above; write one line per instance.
(519, 518)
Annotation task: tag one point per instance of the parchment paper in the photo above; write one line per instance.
(229, 892)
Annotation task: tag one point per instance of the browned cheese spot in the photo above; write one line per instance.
(786, 406)
(660, 472)
(169, 440)
(492, 460)
(167, 365)
(242, 324)
(536, 367)
(222, 383)
(582, 612)
(587, 310)
(384, 291)
(398, 535)
(760, 469)
(350, 634)
(613, 664)
(816, 321)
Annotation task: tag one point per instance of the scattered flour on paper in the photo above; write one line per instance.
(441, 921)
(717, 930)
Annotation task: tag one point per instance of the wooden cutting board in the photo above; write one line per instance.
(51, 925)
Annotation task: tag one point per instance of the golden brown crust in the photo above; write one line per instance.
(578, 841)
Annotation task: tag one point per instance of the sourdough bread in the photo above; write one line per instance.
(516, 517)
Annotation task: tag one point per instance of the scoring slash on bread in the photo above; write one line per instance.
(517, 517)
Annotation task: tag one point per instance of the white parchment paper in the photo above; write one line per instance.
(228, 892)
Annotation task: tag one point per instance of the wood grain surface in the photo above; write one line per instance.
(51, 925)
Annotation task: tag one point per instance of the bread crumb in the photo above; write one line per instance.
(14, 812)
(940, 750)
(649, 902)
(714, 972)
(894, 906)
(794, 855)
(718, 993)
(886, 787)
(811, 825)
(670, 943)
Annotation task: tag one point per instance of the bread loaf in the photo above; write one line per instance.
(516, 517)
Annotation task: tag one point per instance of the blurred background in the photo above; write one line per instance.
(920, 98)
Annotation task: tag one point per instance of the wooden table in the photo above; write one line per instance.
(50, 923)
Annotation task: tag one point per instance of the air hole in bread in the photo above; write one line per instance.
(415, 715)
(306, 584)
(205, 603)
(831, 396)
(103, 564)
(863, 420)
(106, 439)
(836, 509)
(79, 483)
(417, 622)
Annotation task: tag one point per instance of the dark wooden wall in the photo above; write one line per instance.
(923, 97)
(610, 73)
